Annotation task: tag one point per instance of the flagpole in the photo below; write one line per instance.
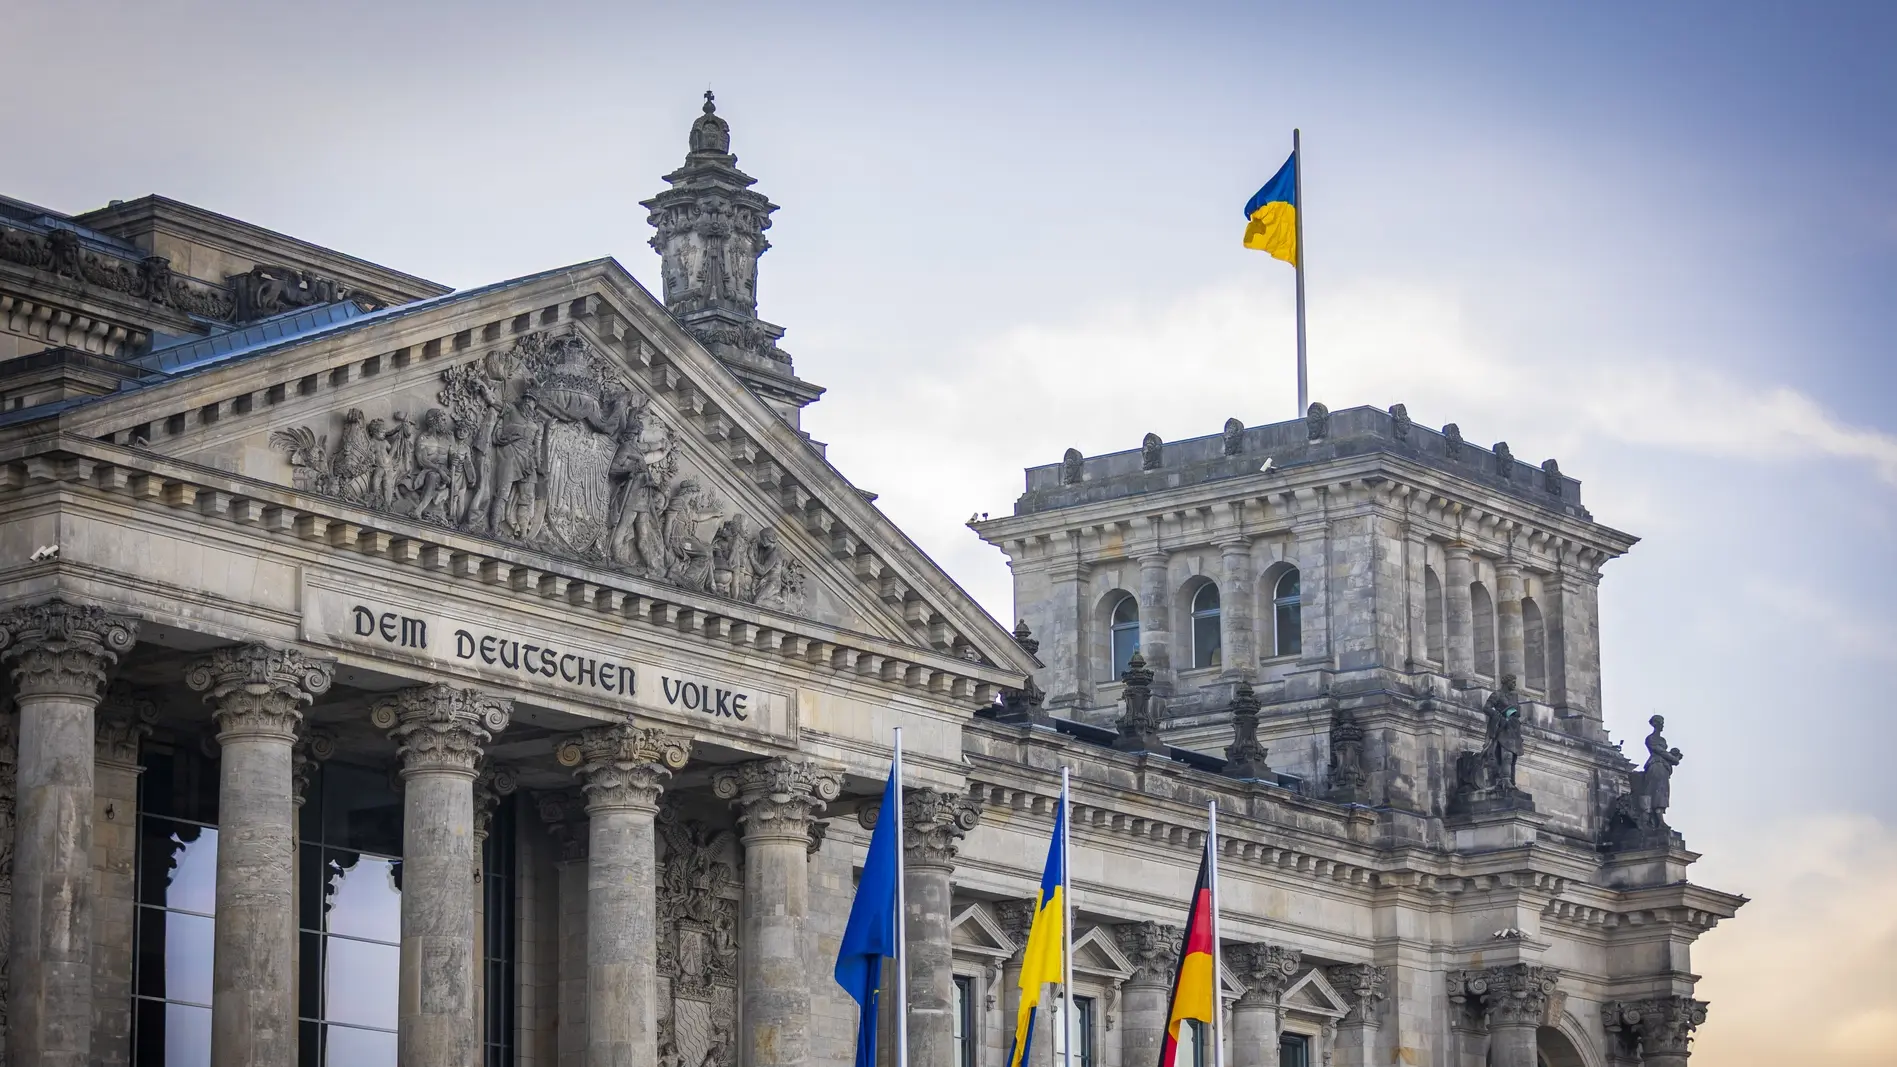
(1066, 925)
(1297, 220)
(902, 923)
(1212, 867)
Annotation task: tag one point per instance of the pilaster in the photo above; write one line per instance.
(1363, 986)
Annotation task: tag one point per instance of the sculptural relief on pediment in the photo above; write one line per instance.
(551, 445)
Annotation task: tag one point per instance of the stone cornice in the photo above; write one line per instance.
(323, 527)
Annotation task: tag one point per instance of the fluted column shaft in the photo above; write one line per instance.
(776, 801)
(935, 823)
(1459, 610)
(1238, 650)
(440, 731)
(622, 769)
(257, 696)
(60, 654)
(1363, 986)
(1512, 641)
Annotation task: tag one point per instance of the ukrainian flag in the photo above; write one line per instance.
(1271, 215)
(1044, 961)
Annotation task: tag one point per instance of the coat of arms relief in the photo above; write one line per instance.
(551, 445)
(697, 909)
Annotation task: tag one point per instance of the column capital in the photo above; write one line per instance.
(1266, 970)
(491, 783)
(936, 821)
(622, 766)
(777, 798)
(564, 813)
(1659, 1026)
(1233, 544)
(1152, 948)
(1363, 985)
(1016, 917)
(1155, 558)
(258, 691)
(1458, 550)
(124, 718)
(313, 745)
(63, 649)
(440, 729)
(1514, 994)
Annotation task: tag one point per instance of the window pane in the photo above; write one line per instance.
(1290, 626)
(177, 865)
(363, 899)
(360, 985)
(1287, 586)
(174, 956)
(181, 783)
(1127, 610)
(1126, 641)
(1294, 1050)
(350, 1047)
(171, 1035)
(1205, 641)
(360, 810)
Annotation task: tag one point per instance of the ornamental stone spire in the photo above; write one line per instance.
(710, 232)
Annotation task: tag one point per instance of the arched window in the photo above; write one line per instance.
(1126, 633)
(1287, 615)
(1432, 615)
(1482, 610)
(1205, 627)
(1534, 645)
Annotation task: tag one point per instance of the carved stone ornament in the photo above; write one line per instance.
(1363, 985)
(1138, 725)
(1152, 948)
(564, 814)
(123, 721)
(1504, 461)
(63, 649)
(1515, 994)
(491, 784)
(264, 291)
(552, 445)
(1021, 705)
(1232, 441)
(1025, 639)
(258, 691)
(777, 798)
(1317, 421)
(1551, 476)
(1071, 467)
(1016, 917)
(1348, 776)
(1245, 756)
(1452, 440)
(313, 745)
(697, 908)
(61, 252)
(1152, 452)
(1400, 421)
(623, 766)
(1266, 970)
(1662, 1026)
(936, 821)
(440, 729)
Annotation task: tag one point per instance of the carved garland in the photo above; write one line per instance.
(551, 445)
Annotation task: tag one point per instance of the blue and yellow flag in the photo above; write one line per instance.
(1271, 215)
(870, 933)
(1044, 960)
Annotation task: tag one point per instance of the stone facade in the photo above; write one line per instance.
(526, 615)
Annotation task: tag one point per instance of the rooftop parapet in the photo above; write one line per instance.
(1321, 436)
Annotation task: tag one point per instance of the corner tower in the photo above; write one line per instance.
(710, 232)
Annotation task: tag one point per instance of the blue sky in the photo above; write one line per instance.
(1658, 243)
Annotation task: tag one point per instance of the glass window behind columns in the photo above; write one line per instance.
(964, 1021)
(350, 917)
(497, 947)
(1294, 1050)
(177, 899)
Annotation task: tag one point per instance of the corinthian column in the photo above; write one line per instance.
(776, 800)
(935, 823)
(439, 731)
(1656, 1032)
(1512, 999)
(60, 654)
(257, 696)
(1363, 986)
(1153, 949)
(1267, 971)
(622, 768)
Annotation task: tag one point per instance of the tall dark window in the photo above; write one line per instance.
(964, 1021)
(350, 902)
(1294, 1050)
(1126, 633)
(1205, 627)
(1079, 1031)
(177, 902)
(1287, 614)
(1194, 1048)
(497, 861)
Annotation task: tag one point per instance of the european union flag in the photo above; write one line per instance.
(871, 933)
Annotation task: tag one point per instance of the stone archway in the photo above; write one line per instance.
(1553, 1049)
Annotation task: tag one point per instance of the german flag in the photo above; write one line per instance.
(1195, 985)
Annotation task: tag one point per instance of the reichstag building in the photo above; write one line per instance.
(496, 676)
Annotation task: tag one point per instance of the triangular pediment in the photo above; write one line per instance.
(1095, 955)
(565, 414)
(1313, 993)
(976, 930)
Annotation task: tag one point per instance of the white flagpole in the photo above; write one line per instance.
(1297, 222)
(1066, 925)
(902, 924)
(1212, 869)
